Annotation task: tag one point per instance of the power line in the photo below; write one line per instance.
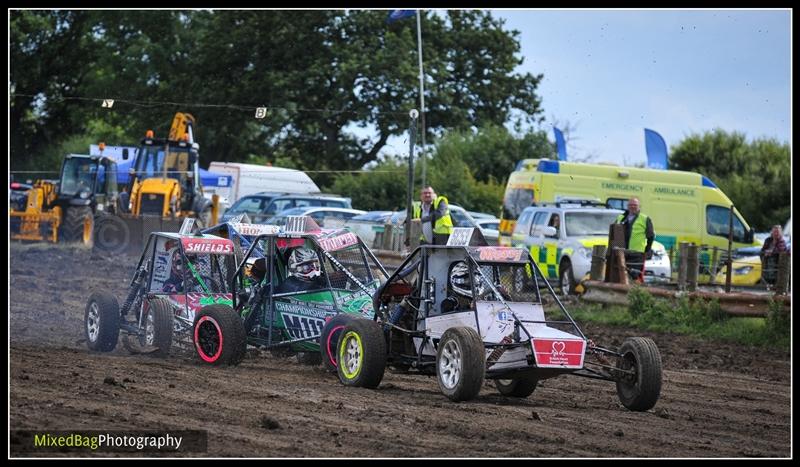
(252, 108)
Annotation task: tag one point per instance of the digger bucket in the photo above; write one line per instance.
(128, 234)
(35, 226)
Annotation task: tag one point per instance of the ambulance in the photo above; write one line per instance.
(684, 206)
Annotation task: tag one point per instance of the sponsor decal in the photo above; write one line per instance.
(161, 269)
(206, 245)
(558, 353)
(499, 254)
(298, 309)
(300, 327)
(254, 229)
(338, 242)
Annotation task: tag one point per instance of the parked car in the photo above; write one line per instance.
(254, 206)
(368, 224)
(18, 195)
(565, 252)
(288, 201)
(324, 217)
(481, 215)
(490, 228)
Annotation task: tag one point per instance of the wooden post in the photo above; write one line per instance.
(692, 266)
(415, 232)
(730, 252)
(682, 265)
(597, 272)
(616, 239)
(714, 265)
(782, 281)
(621, 268)
(387, 236)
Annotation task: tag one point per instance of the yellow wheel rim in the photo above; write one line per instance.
(351, 354)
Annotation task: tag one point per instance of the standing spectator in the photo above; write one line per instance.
(434, 214)
(774, 245)
(639, 236)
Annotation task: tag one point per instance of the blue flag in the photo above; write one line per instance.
(400, 14)
(656, 150)
(561, 145)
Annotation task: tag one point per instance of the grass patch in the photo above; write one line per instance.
(697, 318)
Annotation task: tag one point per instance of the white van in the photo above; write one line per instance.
(252, 178)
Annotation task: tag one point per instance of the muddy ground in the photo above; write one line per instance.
(717, 400)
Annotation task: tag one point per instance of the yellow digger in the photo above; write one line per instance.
(65, 210)
(164, 185)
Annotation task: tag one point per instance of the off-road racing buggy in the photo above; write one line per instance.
(292, 290)
(242, 233)
(178, 275)
(466, 313)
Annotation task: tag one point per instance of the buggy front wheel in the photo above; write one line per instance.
(460, 363)
(361, 354)
(219, 336)
(101, 322)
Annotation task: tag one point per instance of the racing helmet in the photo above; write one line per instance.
(177, 263)
(461, 281)
(304, 264)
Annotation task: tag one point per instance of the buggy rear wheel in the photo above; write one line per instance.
(219, 336)
(460, 363)
(101, 322)
(329, 339)
(361, 354)
(640, 386)
(517, 387)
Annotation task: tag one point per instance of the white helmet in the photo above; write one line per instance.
(304, 264)
(461, 282)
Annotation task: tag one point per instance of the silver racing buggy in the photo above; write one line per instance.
(469, 313)
(178, 275)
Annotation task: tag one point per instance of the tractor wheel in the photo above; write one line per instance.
(517, 387)
(159, 327)
(329, 339)
(361, 354)
(460, 363)
(640, 386)
(101, 322)
(78, 225)
(219, 336)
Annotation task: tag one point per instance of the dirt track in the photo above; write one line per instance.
(717, 400)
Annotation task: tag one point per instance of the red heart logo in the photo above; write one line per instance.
(558, 347)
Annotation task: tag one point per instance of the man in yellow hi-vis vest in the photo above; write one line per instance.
(434, 215)
(639, 236)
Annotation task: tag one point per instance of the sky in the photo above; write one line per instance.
(609, 74)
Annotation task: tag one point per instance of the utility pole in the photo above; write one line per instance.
(412, 138)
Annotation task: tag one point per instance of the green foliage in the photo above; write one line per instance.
(740, 169)
(779, 321)
(322, 73)
(384, 187)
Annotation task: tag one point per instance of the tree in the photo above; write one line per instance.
(322, 74)
(756, 176)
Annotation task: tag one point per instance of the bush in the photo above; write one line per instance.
(779, 320)
(640, 302)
